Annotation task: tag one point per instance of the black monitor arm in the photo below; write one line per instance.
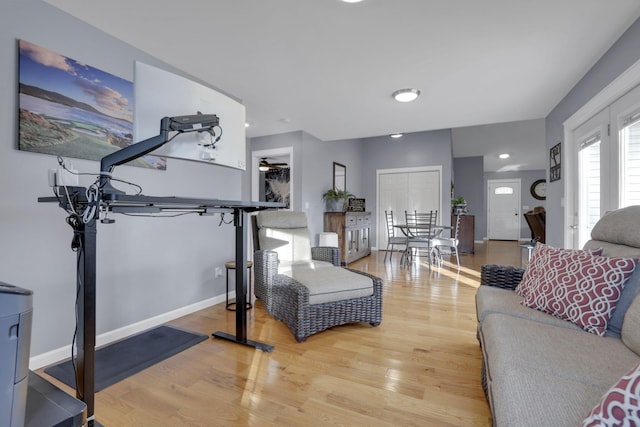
(182, 124)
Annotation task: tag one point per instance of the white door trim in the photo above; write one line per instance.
(626, 81)
(255, 162)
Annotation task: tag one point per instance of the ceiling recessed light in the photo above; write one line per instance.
(504, 156)
(396, 135)
(351, 1)
(405, 95)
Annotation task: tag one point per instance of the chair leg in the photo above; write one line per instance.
(455, 250)
(387, 252)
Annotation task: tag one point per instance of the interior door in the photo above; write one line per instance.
(503, 210)
(407, 189)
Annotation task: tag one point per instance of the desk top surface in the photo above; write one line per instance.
(170, 202)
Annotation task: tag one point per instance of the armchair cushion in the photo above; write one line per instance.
(332, 284)
(286, 233)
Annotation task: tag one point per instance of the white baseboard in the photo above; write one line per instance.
(63, 353)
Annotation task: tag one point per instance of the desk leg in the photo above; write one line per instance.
(240, 219)
(86, 310)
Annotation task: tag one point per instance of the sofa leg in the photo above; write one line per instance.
(374, 324)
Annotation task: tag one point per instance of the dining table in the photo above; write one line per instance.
(406, 230)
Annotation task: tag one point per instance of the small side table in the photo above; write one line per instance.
(231, 265)
(526, 248)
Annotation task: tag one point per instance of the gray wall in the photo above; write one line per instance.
(431, 148)
(466, 171)
(362, 157)
(312, 172)
(528, 202)
(618, 58)
(146, 267)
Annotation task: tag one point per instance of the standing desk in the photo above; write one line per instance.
(132, 204)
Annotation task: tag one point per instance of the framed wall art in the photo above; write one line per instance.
(554, 163)
(339, 177)
(70, 109)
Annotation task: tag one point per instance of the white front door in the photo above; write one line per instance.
(503, 210)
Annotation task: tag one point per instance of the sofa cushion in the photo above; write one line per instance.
(331, 283)
(571, 354)
(619, 226)
(620, 405)
(525, 397)
(581, 288)
(543, 375)
(631, 326)
(631, 287)
(546, 260)
(490, 299)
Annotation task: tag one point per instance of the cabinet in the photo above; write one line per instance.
(353, 229)
(466, 234)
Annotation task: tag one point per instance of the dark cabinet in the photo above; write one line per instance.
(353, 229)
(466, 233)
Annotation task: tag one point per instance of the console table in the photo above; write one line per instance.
(123, 203)
(466, 234)
(353, 229)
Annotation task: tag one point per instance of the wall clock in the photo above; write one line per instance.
(539, 189)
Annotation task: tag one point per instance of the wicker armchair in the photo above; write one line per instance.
(287, 271)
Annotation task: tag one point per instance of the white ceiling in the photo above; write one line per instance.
(329, 68)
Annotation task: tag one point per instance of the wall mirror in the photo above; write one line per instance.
(339, 177)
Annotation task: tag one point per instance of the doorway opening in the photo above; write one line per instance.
(272, 175)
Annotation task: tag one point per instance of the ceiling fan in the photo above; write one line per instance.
(265, 165)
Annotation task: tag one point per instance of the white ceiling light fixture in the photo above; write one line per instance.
(406, 95)
(351, 1)
(396, 135)
(504, 156)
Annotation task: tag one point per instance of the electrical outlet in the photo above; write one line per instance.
(218, 272)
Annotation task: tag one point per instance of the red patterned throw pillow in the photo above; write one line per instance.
(541, 260)
(620, 406)
(580, 287)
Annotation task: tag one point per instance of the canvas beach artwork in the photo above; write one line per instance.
(70, 109)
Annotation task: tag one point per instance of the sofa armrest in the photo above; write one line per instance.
(326, 253)
(501, 276)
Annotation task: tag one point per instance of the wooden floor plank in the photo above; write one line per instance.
(420, 367)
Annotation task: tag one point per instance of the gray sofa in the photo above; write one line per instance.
(539, 370)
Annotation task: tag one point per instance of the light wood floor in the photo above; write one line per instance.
(420, 367)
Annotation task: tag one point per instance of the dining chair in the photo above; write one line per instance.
(448, 245)
(392, 239)
(421, 229)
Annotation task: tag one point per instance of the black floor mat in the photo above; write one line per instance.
(122, 359)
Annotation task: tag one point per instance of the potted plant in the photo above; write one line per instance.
(459, 206)
(335, 199)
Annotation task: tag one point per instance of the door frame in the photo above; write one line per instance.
(255, 173)
(629, 79)
(519, 210)
(382, 228)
